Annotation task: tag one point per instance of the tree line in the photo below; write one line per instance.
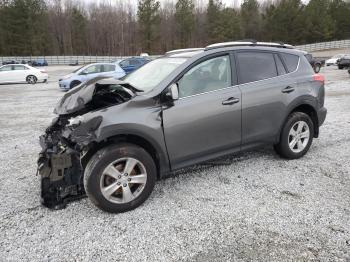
(68, 27)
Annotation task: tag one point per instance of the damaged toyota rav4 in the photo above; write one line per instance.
(112, 139)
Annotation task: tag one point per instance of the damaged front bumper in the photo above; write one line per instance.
(61, 173)
(59, 164)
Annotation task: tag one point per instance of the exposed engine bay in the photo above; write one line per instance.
(68, 139)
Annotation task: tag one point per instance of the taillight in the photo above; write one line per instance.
(318, 77)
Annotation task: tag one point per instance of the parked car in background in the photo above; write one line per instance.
(73, 63)
(131, 64)
(344, 62)
(315, 63)
(88, 72)
(333, 60)
(113, 139)
(10, 62)
(39, 62)
(18, 73)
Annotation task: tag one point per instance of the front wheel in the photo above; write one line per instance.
(120, 177)
(31, 79)
(296, 136)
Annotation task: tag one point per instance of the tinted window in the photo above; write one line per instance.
(291, 61)
(125, 63)
(207, 76)
(254, 66)
(280, 67)
(108, 68)
(134, 62)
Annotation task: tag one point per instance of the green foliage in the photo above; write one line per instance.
(148, 15)
(184, 18)
(284, 21)
(340, 12)
(319, 23)
(78, 31)
(251, 19)
(30, 27)
(23, 27)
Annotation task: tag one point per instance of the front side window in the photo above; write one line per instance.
(255, 66)
(150, 75)
(210, 75)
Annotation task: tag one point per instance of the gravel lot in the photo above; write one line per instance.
(252, 206)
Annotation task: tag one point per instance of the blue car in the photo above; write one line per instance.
(88, 72)
(131, 64)
(39, 62)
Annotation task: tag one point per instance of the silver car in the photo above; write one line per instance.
(113, 139)
(88, 72)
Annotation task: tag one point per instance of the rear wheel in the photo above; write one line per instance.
(317, 68)
(31, 79)
(296, 136)
(120, 178)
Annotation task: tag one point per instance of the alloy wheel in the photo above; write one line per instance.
(299, 136)
(123, 180)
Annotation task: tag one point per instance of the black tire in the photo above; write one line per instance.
(105, 157)
(31, 79)
(283, 148)
(340, 67)
(74, 84)
(317, 68)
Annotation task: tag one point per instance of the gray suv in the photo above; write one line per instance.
(112, 139)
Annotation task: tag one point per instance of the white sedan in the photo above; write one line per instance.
(18, 73)
(333, 60)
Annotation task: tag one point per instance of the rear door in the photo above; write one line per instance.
(266, 90)
(20, 73)
(206, 120)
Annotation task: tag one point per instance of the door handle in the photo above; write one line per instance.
(288, 89)
(230, 101)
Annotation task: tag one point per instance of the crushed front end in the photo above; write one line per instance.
(70, 137)
(59, 167)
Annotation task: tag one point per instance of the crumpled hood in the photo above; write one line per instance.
(76, 99)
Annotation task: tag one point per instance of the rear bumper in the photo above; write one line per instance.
(322, 113)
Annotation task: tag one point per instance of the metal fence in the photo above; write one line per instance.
(325, 45)
(65, 60)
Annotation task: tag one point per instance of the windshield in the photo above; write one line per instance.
(150, 75)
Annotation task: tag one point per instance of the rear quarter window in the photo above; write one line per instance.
(291, 61)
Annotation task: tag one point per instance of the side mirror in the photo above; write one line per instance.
(173, 92)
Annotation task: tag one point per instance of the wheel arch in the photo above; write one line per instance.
(306, 106)
(160, 160)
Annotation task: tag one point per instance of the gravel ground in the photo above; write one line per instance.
(252, 206)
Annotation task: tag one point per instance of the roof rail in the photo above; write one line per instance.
(248, 42)
(178, 51)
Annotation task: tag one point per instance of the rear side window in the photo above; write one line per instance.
(255, 66)
(291, 61)
(280, 67)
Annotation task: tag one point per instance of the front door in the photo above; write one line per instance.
(206, 120)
